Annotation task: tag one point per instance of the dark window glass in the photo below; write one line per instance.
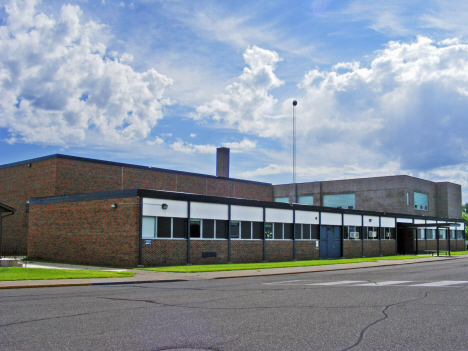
(372, 233)
(208, 229)
(235, 230)
(221, 229)
(298, 234)
(345, 232)
(278, 233)
(180, 228)
(258, 230)
(288, 231)
(246, 230)
(388, 233)
(460, 234)
(452, 234)
(306, 231)
(314, 232)
(268, 230)
(195, 228)
(164, 227)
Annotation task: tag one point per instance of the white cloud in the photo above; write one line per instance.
(58, 86)
(187, 148)
(243, 146)
(409, 105)
(246, 103)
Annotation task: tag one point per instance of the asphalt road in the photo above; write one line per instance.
(411, 307)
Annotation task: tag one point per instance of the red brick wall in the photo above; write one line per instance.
(164, 253)
(75, 176)
(197, 247)
(246, 251)
(306, 250)
(352, 248)
(276, 251)
(371, 248)
(17, 185)
(85, 232)
(388, 248)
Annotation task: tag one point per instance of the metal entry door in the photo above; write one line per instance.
(330, 242)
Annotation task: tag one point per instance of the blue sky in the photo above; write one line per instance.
(382, 87)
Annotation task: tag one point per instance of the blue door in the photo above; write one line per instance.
(330, 241)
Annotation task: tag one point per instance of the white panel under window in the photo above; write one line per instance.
(208, 211)
(331, 218)
(306, 217)
(153, 207)
(352, 220)
(371, 221)
(149, 227)
(278, 216)
(419, 221)
(247, 213)
(404, 220)
(387, 222)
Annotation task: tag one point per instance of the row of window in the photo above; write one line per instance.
(369, 233)
(430, 234)
(176, 228)
(348, 201)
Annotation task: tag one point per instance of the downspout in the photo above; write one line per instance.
(140, 236)
(188, 233)
(294, 234)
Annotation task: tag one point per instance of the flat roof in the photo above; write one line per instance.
(172, 195)
(120, 164)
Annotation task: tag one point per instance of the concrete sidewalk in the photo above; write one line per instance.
(142, 276)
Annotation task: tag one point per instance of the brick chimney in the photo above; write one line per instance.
(222, 162)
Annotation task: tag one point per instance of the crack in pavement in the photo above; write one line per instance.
(361, 334)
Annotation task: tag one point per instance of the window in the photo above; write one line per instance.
(430, 234)
(288, 231)
(420, 202)
(371, 233)
(388, 233)
(164, 227)
(442, 233)
(420, 233)
(460, 234)
(351, 233)
(221, 229)
(452, 234)
(282, 199)
(246, 230)
(407, 198)
(340, 201)
(268, 231)
(278, 230)
(179, 228)
(257, 229)
(306, 200)
(149, 227)
(208, 229)
(195, 228)
(235, 230)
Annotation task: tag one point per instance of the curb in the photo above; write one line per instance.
(332, 268)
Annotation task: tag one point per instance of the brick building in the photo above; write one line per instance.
(74, 209)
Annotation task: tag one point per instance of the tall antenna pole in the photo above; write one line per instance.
(294, 152)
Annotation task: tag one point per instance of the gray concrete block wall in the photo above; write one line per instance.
(385, 194)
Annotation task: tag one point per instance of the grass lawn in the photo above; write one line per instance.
(459, 253)
(265, 265)
(21, 273)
